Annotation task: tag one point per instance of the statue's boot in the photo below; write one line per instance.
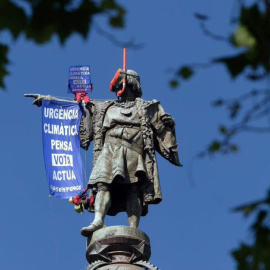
(102, 204)
(94, 226)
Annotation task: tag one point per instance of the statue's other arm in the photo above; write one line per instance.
(164, 134)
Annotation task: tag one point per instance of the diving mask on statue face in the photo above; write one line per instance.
(117, 81)
(117, 88)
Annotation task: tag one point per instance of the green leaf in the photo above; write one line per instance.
(218, 102)
(243, 256)
(174, 84)
(243, 38)
(46, 18)
(249, 207)
(223, 130)
(262, 215)
(3, 63)
(256, 21)
(109, 4)
(185, 72)
(117, 21)
(50, 17)
(253, 34)
(12, 18)
(235, 64)
(214, 146)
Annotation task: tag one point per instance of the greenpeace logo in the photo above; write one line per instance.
(66, 189)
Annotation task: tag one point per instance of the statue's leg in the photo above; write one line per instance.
(134, 206)
(102, 204)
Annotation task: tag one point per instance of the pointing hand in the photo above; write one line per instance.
(37, 99)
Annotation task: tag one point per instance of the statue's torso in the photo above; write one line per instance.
(124, 124)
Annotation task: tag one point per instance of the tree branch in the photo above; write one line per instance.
(129, 44)
(211, 34)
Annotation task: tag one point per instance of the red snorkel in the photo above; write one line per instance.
(120, 93)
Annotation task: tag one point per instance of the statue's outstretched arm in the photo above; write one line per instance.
(38, 99)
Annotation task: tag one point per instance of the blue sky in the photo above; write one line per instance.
(193, 227)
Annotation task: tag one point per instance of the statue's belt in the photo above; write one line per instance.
(127, 144)
(127, 126)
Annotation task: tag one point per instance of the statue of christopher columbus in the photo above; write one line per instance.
(126, 133)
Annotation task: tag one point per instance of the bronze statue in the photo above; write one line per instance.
(126, 134)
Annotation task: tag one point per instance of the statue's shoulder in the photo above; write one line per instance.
(101, 102)
(146, 103)
(101, 105)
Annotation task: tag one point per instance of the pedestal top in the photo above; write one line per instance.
(118, 244)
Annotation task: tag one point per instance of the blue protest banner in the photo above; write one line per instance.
(61, 147)
(79, 80)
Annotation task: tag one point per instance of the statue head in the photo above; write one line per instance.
(133, 85)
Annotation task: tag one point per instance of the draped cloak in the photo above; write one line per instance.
(137, 155)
